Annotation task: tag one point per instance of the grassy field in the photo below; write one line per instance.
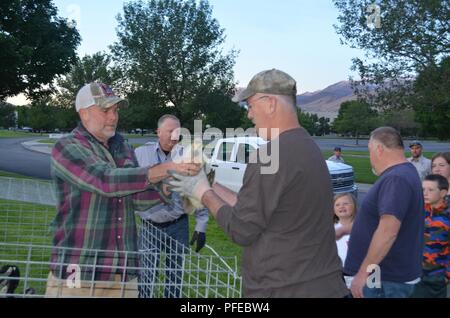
(26, 239)
(24, 229)
(361, 165)
(360, 162)
(216, 238)
(365, 153)
(146, 136)
(47, 141)
(12, 134)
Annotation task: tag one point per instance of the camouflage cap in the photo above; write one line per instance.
(271, 82)
(97, 94)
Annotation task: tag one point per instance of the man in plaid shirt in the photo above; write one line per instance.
(99, 185)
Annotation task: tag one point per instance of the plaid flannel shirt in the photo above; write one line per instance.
(98, 189)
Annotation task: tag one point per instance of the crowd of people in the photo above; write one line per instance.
(435, 178)
(394, 245)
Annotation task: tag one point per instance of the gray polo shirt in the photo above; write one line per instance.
(423, 166)
(151, 154)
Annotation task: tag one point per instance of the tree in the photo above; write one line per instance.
(405, 56)
(323, 127)
(36, 45)
(402, 120)
(91, 68)
(173, 49)
(307, 121)
(410, 34)
(41, 115)
(313, 124)
(400, 38)
(221, 112)
(432, 99)
(23, 114)
(145, 108)
(356, 118)
(7, 115)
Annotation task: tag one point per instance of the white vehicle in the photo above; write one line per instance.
(230, 156)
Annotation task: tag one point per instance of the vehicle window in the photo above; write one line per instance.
(243, 153)
(225, 151)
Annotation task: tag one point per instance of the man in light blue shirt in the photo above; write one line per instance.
(337, 157)
(167, 217)
(422, 164)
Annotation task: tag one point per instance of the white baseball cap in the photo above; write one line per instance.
(97, 94)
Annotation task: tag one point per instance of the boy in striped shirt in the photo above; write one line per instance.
(436, 256)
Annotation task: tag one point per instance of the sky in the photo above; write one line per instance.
(296, 36)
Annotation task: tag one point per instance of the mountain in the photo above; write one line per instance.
(326, 102)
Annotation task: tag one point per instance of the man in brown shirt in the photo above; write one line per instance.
(282, 218)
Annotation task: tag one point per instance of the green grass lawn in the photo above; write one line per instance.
(360, 162)
(365, 153)
(47, 141)
(216, 238)
(12, 134)
(26, 228)
(13, 175)
(361, 165)
(146, 136)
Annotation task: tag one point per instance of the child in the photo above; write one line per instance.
(344, 215)
(436, 256)
(440, 164)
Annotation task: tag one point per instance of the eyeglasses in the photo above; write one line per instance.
(247, 105)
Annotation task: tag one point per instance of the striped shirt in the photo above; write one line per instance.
(97, 189)
(436, 255)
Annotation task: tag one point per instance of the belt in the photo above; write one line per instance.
(166, 224)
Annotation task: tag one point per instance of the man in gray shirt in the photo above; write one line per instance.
(337, 157)
(282, 218)
(422, 164)
(169, 217)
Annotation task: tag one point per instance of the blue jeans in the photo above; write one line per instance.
(389, 290)
(171, 241)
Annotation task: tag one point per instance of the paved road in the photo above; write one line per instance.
(17, 159)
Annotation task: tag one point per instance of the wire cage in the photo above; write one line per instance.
(162, 267)
(172, 270)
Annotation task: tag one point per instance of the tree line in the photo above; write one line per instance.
(406, 63)
(168, 58)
